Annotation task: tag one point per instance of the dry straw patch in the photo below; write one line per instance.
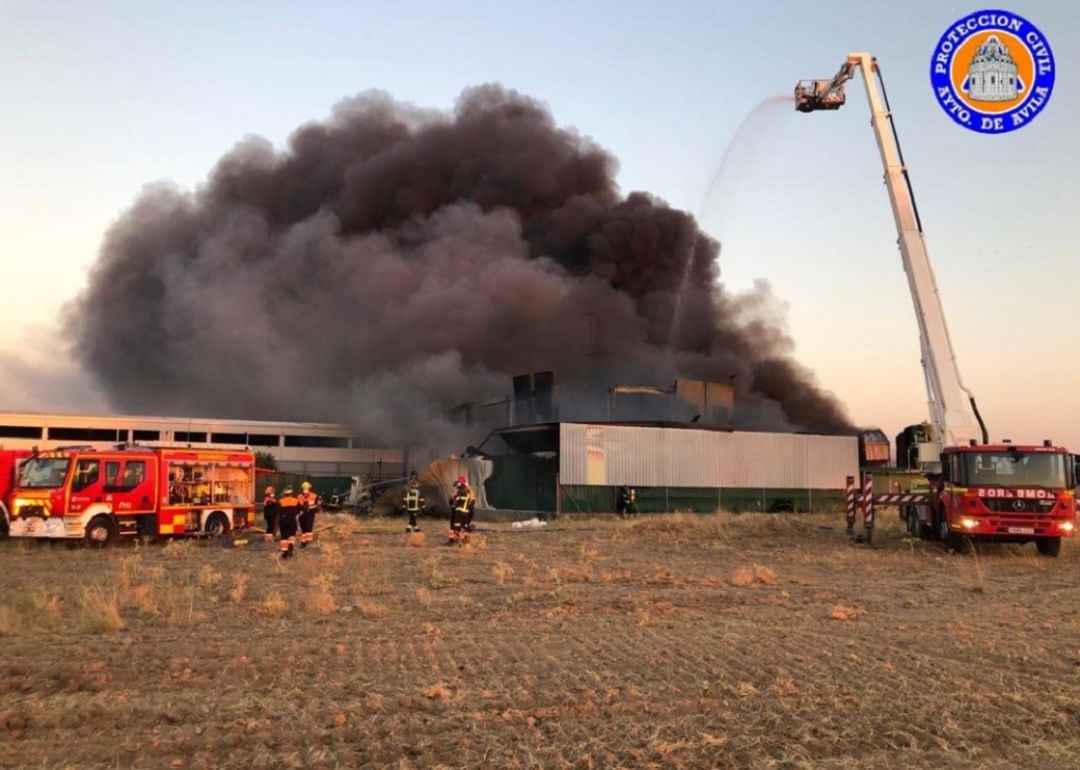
(10, 621)
(144, 598)
(320, 599)
(239, 589)
(438, 691)
(330, 553)
(843, 612)
(415, 540)
(179, 548)
(588, 553)
(502, 572)
(99, 609)
(274, 604)
(209, 577)
(754, 574)
(370, 609)
(47, 605)
(320, 602)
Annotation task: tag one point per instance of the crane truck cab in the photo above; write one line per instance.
(1006, 492)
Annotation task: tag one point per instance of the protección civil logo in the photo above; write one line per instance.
(992, 71)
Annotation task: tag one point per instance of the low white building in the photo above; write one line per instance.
(310, 448)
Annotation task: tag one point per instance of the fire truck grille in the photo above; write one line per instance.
(1017, 505)
(32, 510)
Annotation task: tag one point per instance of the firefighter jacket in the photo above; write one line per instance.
(412, 498)
(270, 503)
(463, 500)
(289, 504)
(308, 501)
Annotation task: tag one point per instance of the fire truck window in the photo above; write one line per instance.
(134, 474)
(87, 472)
(112, 470)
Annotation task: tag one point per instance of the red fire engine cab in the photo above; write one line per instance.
(101, 495)
(1005, 492)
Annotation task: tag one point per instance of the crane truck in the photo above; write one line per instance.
(1000, 491)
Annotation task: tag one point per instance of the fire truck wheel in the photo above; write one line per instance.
(914, 527)
(101, 531)
(948, 538)
(217, 524)
(1049, 546)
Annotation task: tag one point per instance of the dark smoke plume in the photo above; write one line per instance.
(393, 262)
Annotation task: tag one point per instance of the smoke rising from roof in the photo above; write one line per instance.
(393, 262)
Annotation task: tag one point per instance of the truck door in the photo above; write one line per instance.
(86, 484)
(131, 485)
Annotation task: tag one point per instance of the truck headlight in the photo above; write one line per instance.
(969, 522)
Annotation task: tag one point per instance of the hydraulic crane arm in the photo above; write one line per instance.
(953, 414)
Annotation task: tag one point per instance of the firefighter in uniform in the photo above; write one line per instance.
(288, 508)
(309, 504)
(626, 505)
(462, 502)
(413, 502)
(270, 512)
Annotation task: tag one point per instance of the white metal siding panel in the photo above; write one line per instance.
(831, 460)
(791, 461)
(753, 457)
(645, 456)
(639, 456)
(695, 458)
(571, 453)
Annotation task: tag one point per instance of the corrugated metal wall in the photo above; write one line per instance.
(609, 455)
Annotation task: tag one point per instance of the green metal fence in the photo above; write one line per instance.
(599, 499)
(323, 485)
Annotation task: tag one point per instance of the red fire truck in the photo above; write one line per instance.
(1004, 492)
(99, 496)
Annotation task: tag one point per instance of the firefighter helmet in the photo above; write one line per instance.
(287, 491)
(306, 486)
(461, 480)
(269, 490)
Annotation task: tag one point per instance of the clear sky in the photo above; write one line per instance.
(99, 98)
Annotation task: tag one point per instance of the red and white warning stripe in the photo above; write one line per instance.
(887, 499)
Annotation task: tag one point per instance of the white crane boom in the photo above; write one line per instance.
(953, 414)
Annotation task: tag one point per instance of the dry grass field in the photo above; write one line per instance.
(670, 642)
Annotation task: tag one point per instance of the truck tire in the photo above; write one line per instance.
(948, 538)
(101, 532)
(217, 524)
(1049, 546)
(914, 526)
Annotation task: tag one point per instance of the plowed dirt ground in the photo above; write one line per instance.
(707, 641)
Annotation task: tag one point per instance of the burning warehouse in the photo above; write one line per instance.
(688, 459)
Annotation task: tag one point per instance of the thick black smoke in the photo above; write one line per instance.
(394, 262)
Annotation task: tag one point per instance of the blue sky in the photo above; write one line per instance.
(100, 98)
